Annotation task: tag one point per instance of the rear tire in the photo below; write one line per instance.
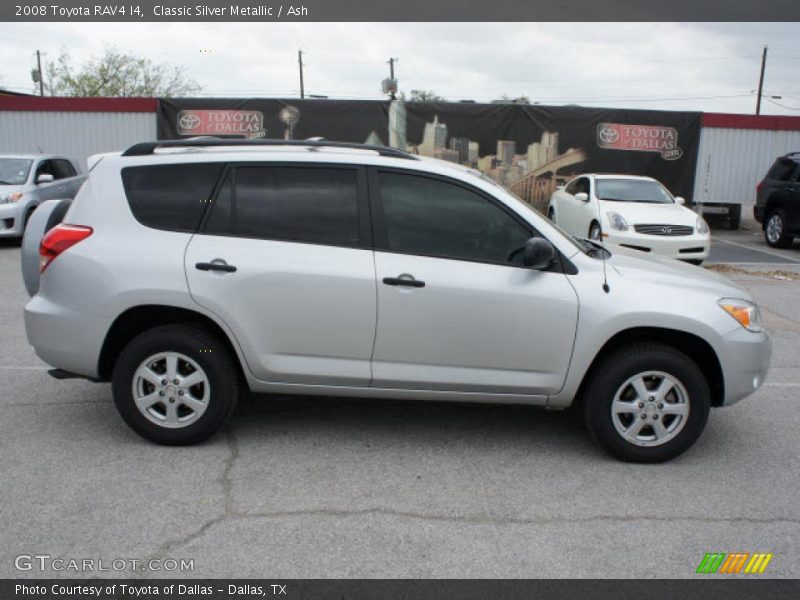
(775, 232)
(631, 416)
(159, 409)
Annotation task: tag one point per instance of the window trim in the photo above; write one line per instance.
(362, 202)
(561, 265)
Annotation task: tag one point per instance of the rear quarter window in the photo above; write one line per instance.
(170, 197)
(782, 169)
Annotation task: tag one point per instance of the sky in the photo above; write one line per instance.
(672, 66)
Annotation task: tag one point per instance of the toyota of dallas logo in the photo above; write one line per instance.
(243, 123)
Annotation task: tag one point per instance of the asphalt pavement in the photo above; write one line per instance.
(314, 487)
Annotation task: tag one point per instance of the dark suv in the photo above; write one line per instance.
(778, 201)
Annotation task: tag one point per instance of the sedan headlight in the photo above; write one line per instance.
(617, 221)
(12, 197)
(746, 313)
(702, 226)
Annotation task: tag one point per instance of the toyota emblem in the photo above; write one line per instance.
(188, 121)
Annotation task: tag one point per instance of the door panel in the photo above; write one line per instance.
(472, 327)
(302, 313)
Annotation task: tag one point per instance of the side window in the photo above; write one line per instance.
(572, 187)
(317, 205)
(436, 218)
(171, 197)
(45, 168)
(64, 169)
(582, 185)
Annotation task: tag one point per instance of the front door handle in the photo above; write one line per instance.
(404, 281)
(215, 266)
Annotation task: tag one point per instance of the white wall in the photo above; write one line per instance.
(76, 135)
(731, 162)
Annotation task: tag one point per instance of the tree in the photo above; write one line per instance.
(423, 96)
(506, 99)
(116, 73)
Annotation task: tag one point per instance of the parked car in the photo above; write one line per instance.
(778, 201)
(185, 271)
(28, 180)
(634, 212)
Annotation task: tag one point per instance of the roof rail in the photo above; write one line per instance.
(146, 148)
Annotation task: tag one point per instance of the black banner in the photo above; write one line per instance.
(531, 149)
(395, 589)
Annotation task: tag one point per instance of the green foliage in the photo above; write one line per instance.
(116, 73)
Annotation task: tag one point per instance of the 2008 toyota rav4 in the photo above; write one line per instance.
(185, 270)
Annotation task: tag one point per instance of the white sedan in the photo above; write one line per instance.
(635, 212)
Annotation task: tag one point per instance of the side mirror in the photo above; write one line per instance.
(680, 200)
(538, 254)
(582, 196)
(45, 178)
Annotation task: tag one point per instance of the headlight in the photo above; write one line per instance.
(12, 197)
(746, 313)
(617, 221)
(702, 226)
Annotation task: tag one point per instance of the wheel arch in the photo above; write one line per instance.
(695, 347)
(139, 319)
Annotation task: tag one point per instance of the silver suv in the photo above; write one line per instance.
(187, 271)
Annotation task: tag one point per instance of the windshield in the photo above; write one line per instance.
(633, 190)
(14, 171)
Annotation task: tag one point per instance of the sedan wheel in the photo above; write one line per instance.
(595, 233)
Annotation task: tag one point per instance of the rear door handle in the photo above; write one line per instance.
(215, 266)
(405, 282)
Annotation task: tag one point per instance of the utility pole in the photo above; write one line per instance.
(391, 75)
(41, 75)
(300, 63)
(761, 81)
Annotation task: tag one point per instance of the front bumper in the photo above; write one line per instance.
(744, 357)
(681, 247)
(11, 219)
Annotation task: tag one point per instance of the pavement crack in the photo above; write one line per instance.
(225, 481)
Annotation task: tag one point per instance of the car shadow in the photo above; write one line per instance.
(531, 429)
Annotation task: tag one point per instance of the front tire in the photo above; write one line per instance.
(646, 403)
(175, 384)
(595, 233)
(775, 232)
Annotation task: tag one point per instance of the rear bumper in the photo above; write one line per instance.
(758, 213)
(64, 337)
(745, 358)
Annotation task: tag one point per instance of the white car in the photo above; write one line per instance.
(631, 211)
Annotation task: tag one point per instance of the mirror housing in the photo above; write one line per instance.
(680, 200)
(45, 178)
(538, 254)
(582, 196)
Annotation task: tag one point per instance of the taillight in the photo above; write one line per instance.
(759, 185)
(60, 238)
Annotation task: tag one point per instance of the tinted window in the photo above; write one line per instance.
(432, 217)
(45, 168)
(300, 204)
(170, 197)
(64, 169)
(782, 169)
